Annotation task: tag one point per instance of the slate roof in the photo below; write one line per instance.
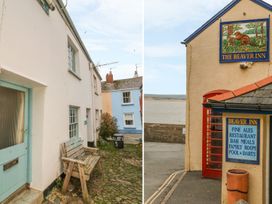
(256, 96)
(261, 96)
(220, 14)
(130, 83)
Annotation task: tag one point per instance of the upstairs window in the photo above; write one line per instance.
(128, 120)
(95, 84)
(72, 58)
(73, 122)
(44, 5)
(126, 97)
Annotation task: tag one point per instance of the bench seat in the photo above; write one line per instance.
(78, 161)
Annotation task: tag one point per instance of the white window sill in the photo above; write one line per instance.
(127, 104)
(74, 74)
(129, 127)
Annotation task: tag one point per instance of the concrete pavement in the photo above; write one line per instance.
(194, 189)
(160, 161)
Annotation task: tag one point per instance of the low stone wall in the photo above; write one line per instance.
(154, 132)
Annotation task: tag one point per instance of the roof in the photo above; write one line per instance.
(75, 32)
(130, 83)
(220, 14)
(255, 96)
(169, 97)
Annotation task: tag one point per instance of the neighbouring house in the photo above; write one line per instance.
(228, 111)
(121, 99)
(49, 92)
(164, 118)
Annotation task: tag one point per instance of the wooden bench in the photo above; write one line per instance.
(78, 161)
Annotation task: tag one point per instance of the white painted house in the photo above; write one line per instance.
(165, 109)
(50, 91)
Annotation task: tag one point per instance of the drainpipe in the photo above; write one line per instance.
(188, 76)
(2, 12)
(93, 108)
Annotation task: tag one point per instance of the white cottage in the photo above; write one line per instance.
(49, 92)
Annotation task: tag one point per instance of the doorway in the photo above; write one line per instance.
(89, 127)
(14, 136)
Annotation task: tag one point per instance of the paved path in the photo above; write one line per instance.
(160, 160)
(132, 138)
(194, 189)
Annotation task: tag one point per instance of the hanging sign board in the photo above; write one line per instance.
(243, 140)
(242, 41)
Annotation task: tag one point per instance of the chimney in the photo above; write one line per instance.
(109, 77)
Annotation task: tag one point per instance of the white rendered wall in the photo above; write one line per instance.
(35, 45)
(164, 111)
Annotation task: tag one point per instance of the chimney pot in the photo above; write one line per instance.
(109, 77)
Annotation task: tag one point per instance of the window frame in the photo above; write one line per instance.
(74, 68)
(133, 120)
(95, 85)
(130, 97)
(44, 5)
(74, 123)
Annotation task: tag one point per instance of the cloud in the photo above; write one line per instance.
(163, 50)
(165, 78)
(167, 13)
(108, 21)
(121, 71)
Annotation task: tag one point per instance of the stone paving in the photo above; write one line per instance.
(193, 188)
(120, 180)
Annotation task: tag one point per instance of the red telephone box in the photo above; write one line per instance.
(212, 139)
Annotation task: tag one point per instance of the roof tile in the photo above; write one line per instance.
(264, 82)
(223, 96)
(245, 89)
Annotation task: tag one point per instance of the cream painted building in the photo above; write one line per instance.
(50, 91)
(215, 72)
(165, 109)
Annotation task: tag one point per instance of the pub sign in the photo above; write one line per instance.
(243, 140)
(242, 41)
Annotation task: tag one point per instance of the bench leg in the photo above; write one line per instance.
(83, 183)
(100, 168)
(67, 177)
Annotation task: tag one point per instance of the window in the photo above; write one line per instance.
(126, 97)
(129, 119)
(44, 5)
(12, 116)
(71, 58)
(97, 115)
(95, 84)
(73, 122)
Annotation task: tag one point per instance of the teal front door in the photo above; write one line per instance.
(13, 138)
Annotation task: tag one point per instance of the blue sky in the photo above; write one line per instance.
(167, 23)
(112, 30)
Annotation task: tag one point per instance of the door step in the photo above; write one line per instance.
(27, 196)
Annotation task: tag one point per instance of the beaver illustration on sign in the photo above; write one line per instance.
(243, 38)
